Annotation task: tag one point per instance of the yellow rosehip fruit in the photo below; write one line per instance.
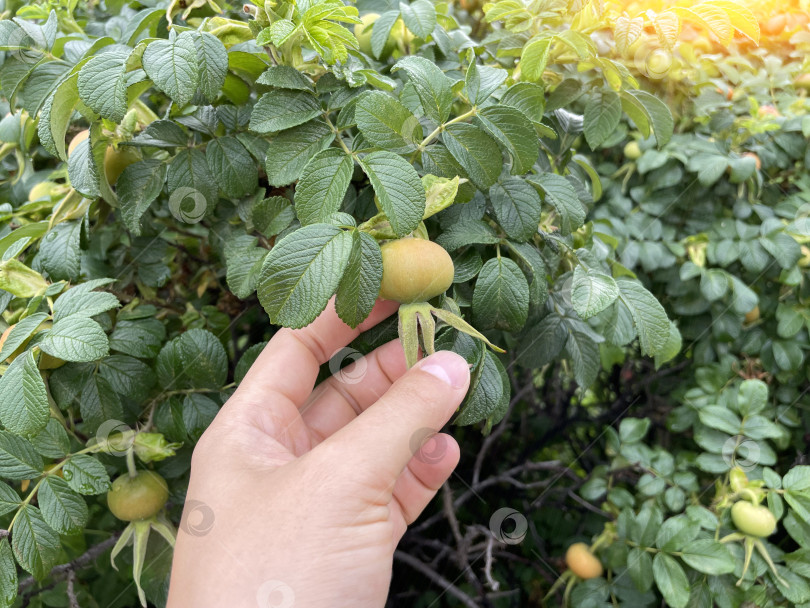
(803, 81)
(137, 498)
(632, 150)
(582, 562)
(363, 31)
(756, 158)
(18, 350)
(415, 270)
(754, 520)
(769, 111)
(42, 190)
(118, 159)
(752, 315)
(804, 261)
(77, 139)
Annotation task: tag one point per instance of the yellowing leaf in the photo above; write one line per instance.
(716, 20)
(667, 26)
(626, 31)
(742, 19)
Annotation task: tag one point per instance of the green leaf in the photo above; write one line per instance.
(101, 83)
(528, 97)
(360, 284)
(534, 58)
(291, 150)
(517, 207)
(475, 151)
(708, 556)
(602, 115)
(203, 357)
(36, 546)
(76, 339)
(592, 292)
(671, 348)
(639, 565)
(381, 31)
(501, 296)
(584, 354)
(52, 441)
(18, 459)
(243, 260)
(543, 343)
(282, 109)
(720, 418)
(486, 393)
(59, 252)
(98, 403)
(285, 77)
(676, 533)
(246, 361)
(714, 284)
(198, 413)
(8, 575)
(560, 194)
(671, 580)
(386, 123)
(473, 232)
(797, 479)
(272, 215)
(21, 333)
(212, 64)
(431, 86)
(83, 301)
(398, 188)
(419, 17)
(649, 316)
(161, 134)
(192, 188)
(138, 337)
(127, 376)
(232, 165)
(86, 475)
(482, 81)
(24, 408)
(172, 66)
(302, 272)
(139, 185)
(82, 171)
(659, 114)
(514, 132)
(56, 114)
(62, 508)
(323, 185)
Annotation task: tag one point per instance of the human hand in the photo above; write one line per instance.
(309, 491)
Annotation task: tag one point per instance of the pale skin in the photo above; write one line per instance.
(309, 489)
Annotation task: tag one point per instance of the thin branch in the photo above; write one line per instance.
(462, 542)
(437, 579)
(493, 584)
(71, 593)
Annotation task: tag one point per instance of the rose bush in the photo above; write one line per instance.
(614, 194)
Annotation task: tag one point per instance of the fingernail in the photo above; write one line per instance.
(448, 367)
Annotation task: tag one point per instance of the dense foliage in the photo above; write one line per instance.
(623, 189)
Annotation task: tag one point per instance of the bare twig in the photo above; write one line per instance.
(462, 542)
(437, 579)
(493, 584)
(71, 593)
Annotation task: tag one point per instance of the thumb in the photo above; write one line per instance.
(384, 438)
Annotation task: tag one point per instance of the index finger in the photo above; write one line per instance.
(289, 364)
